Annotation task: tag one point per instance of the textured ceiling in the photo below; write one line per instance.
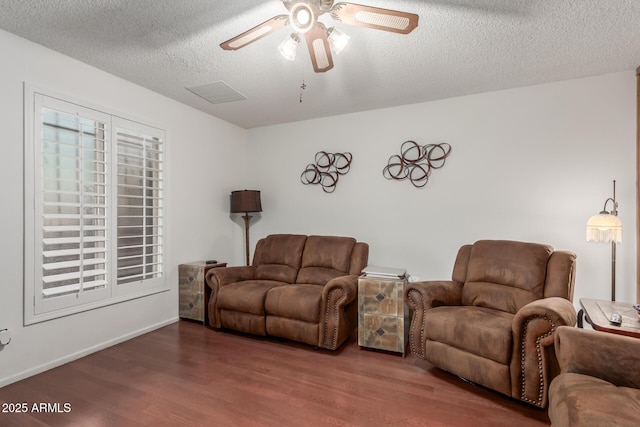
(460, 47)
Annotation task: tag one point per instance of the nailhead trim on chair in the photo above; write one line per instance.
(336, 319)
(537, 402)
(412, 344)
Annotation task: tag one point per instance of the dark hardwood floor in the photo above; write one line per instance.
(187, 375)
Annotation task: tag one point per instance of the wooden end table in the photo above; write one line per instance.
(597, 313)
(193, 294)
(383, 316)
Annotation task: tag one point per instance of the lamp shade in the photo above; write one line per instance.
(289, 46)
(604, 227)
(245, 201)
(337, 40)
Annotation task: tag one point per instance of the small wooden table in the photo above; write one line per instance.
(597, 313)
(383, 316)
(193, 293)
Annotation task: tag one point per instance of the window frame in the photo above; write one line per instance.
(34, 309)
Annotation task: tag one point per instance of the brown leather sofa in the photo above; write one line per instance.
(302, 288)
(599, 383)
(494, 322)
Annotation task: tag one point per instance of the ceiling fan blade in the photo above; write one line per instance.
(256, 33)
(374, 17)
(319, 49)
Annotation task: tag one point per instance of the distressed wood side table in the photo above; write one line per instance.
(193, 294)
(383, 316)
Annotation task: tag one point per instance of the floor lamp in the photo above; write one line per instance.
(606, 227)
(245, 201)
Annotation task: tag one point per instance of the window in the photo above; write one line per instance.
(94, 193)
(140, 196)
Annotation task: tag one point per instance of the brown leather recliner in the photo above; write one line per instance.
(301, 288)
(494, 322)
(599, 383)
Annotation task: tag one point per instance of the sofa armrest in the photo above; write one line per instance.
(218, 277)
(338, 293)
(420, 297)
(610, 357)
(534, 363)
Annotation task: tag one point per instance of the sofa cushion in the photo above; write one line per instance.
(485, 332)
(582, 400)
(324, 258)
(248, 296)
(300, 301)
(505, 275)
(278, 257)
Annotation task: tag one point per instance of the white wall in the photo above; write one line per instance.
(531, 164)
(199, 178)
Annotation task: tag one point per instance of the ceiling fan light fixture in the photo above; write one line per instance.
(302, 17)
(337, 39)
(289, 47)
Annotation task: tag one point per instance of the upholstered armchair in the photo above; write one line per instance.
(494, 322)
(599, 381)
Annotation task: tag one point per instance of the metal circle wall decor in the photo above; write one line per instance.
(415, 162)
(326, 170)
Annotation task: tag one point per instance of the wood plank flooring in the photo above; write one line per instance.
(187, 375)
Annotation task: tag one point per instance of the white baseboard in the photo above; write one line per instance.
(74, 356)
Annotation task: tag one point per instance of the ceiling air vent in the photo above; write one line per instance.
(217, 92)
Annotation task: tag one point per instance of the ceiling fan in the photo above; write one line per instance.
(303, 19)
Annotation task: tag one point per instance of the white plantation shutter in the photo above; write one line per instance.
(72, 214)
(140, 231)
(94, 208)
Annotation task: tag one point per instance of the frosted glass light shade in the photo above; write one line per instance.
(289, 46)
(337, 40)
(604, 227)
(302, 17)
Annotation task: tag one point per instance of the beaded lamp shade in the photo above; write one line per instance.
(606, 227)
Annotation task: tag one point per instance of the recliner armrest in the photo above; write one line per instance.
(420, 297)
(559, 310)
(337, 296)
(217, 277)
(613, 358)
(434, 293)
(534, 364)
(348, 283)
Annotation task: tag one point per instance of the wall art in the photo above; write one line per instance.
(326, 170)
(416, 161)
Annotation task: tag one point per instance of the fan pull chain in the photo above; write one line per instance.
(303, 86)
